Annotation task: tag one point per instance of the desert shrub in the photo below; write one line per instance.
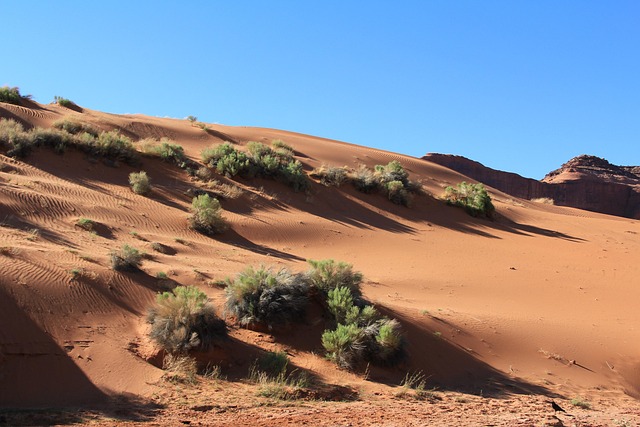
(326, 275)
(330, 175)
(211, 155)
(472, 197)
(63, 101)
(115, 146)
(393, 171)
(265, 297)
(126, 259)
(269, 372)
(159, 247)
(344, 345)
(183, 319)
(397, 193)
(206, 215)
(280, 144)
(365, 180)
(234, 163)
(544, 200)
(140, 182)
(192, 119)
(75, 127)
(179, 369)
(10, 95)
(294, 176)
(14, 139)
(389, 345)
(58, 140)
(166, 150)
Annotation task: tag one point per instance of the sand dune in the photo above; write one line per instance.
(540, 302)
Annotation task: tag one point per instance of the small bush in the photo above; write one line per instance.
(326, 275)
(140, 182)
(159, 247)
(166, 150)
(206, 215)
(14, 139)
(86, 224)
(280, 144)
(115, 146)
(52, 138)
(344, 345)
(270, 374)
(364, 180)
(180, 369)
(330, 175)
(10, 95)
(393, 171)
(63, 101)
(472, 197)
(126, 259)
(211, 155)
(266, 297)
(183, 320)
(397, 193)
(192, 119)
(294, 176)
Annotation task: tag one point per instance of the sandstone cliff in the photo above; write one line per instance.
(585, 182)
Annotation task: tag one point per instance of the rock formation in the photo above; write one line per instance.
(584, 182)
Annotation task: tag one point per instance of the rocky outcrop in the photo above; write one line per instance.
(584, 182)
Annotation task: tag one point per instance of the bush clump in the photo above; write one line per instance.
(140, 182)
(391, 179)
(10, 95)
(183, 320)
(206, 216)
(266, 297)
(63, 101)
(14, 139)
(472, 197)
(126, 259)
(260, 160)
(75, 127)
(330, 175)
(116, 146)
(326, 275)
(166, 150)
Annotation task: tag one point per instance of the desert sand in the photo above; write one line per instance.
(502, 316)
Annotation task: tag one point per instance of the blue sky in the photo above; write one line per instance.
(521, 86)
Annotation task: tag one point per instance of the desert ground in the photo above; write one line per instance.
(501, 316)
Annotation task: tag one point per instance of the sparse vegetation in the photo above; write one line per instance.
(580, 403)
(86, 224)
(14, 139)
(262, 296)
(159, 247)
(206, 215)
(472, 197)
(126, 259)
(192, 119)
(183, 319)
(544, 200)
(179, 369)
(166, 150)
(74, 127)
(270, 373)
(140, 182)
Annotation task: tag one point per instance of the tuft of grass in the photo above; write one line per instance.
(179, 369)
(159, 247)
(86, 224)
(472, 197)
(271, 375)
(580, 403)
(364, 180)
(140, 183)
(206, 215)
(266, 297)
(74, 127)
(126, 259)
(76, 273)
(183, 320)
(162, 275)
(166, 150)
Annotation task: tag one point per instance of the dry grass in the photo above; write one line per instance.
(544, 200)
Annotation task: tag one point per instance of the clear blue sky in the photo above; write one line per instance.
(521, 86)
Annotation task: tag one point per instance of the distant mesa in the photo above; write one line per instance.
(584, 182)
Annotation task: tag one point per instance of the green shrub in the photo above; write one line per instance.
(344, 345)
(330, 175)
(10, 95)
(192, 119)
(397, 193)
(183, 319)
(115, 146)
(63, 101)
(326, 275)
(74, 127)
(266, 297)
(472, 197)
(166, 150)
(126, 259)
(234, 163)
(140, 182)
(14, 139)
(206, 215)
(211, 155)
(280, 144)
(52, 138)
(393, 171)
(388, 342)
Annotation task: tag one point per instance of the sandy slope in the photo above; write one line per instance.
(542, 301)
